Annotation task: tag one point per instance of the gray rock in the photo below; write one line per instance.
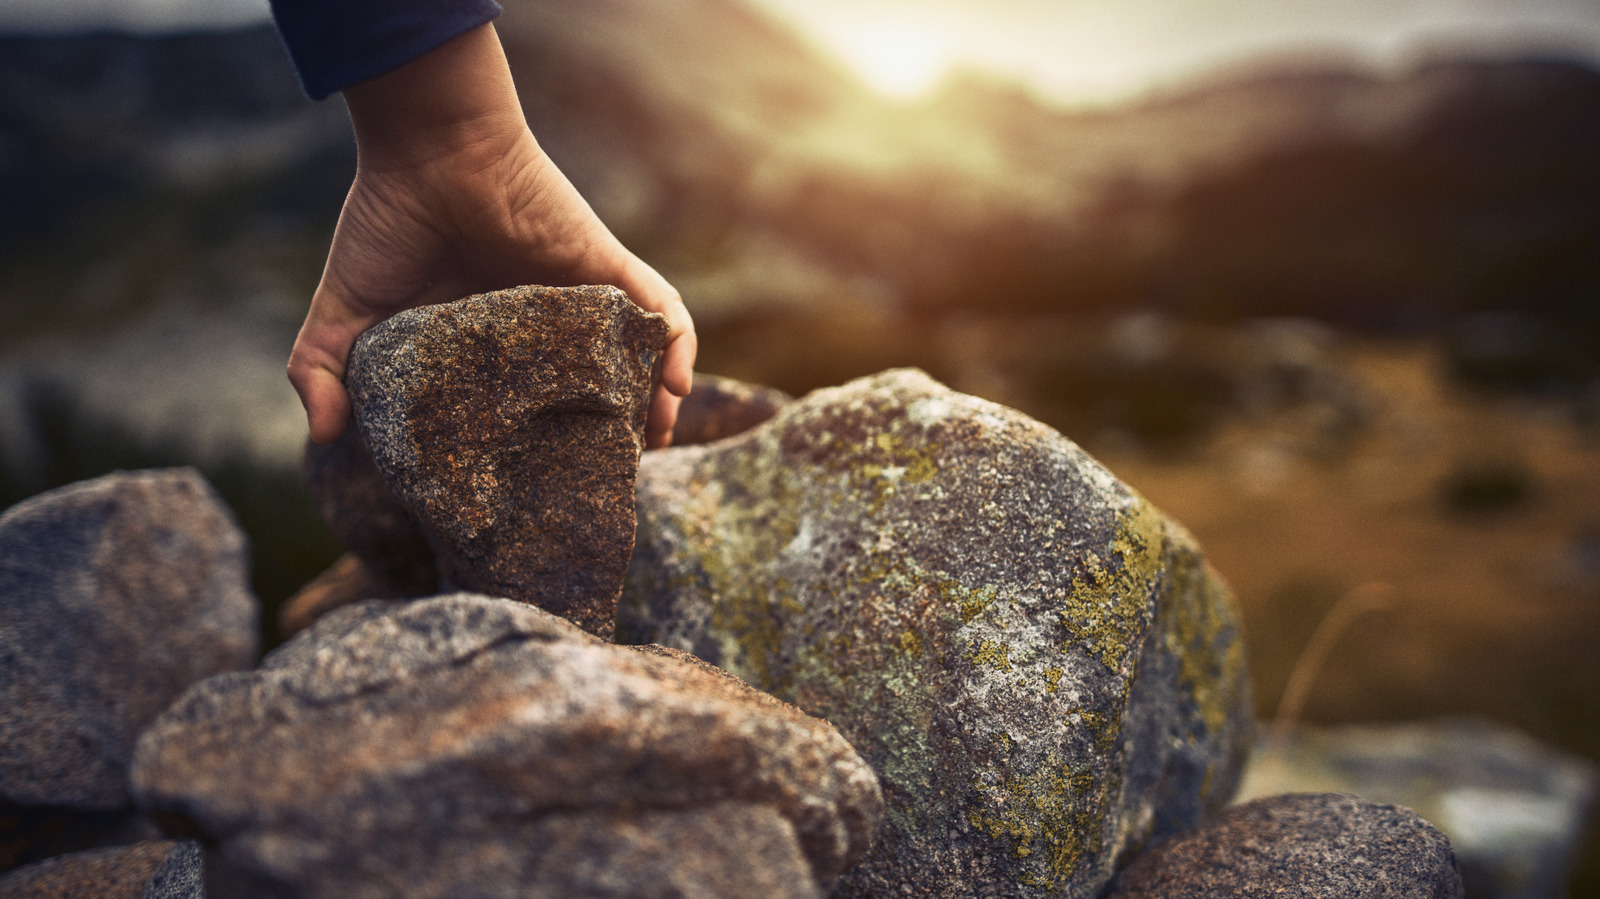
(116, 594)
(1516, 811)
(510, 426)
(1043, 670)
(720, 407)
(463, 745)
(161, 869)
(1322, 845)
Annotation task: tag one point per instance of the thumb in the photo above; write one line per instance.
(317, 364)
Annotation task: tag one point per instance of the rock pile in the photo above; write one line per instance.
(1021, 673)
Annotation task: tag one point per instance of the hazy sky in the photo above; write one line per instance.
(1070, 50)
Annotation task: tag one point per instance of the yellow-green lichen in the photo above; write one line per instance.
(1051, 821)
(993, 654)
(1106, 605)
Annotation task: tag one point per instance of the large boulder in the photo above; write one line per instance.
(116, 595)
(1043, 670)
(466, 745)
(1326, 845)
(509, 425)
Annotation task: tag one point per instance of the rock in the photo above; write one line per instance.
(162, 869)
(348, 580)
(1043, 671)
(1325, 845)
(356, 502)
(1515, 810)
(465, 745)
(719, 407)
(510, 426)
(116, 594)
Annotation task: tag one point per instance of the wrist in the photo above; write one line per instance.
(457, 97)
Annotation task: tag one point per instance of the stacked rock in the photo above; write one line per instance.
(1021, 673)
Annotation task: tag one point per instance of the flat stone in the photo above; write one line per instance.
(467, 745)
(1042, 669)
(510, 425)
(159, 869)
(719, 407)
(1323, 845)
(116, 594)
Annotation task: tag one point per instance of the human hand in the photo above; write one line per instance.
(453, 196)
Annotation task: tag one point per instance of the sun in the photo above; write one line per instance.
(897, 56)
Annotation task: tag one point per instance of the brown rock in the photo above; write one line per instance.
(464, 745)
(116, 594)
(510, 426)
(159, 869)
(720, 407)
(366, 516)
(1323, 845)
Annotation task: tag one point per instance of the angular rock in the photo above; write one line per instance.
(510, 424)
(358, 506)
(1326, 845)
(159, 869)
(116, 594)
(720, 407)
(1516, 812)
(466, 745)
(1043, 670)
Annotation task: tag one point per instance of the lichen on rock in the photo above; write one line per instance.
(1041, 668)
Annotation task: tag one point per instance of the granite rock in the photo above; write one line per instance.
(1516, 811)
(1042, 669)
(1323, 845)
(358, 506)
(157, 869)
(719, 407)
(116, 595)
(510, 425)
(467, 745)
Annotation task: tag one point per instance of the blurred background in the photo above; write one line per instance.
(1320, 280)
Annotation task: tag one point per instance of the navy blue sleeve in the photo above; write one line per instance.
(337, 43)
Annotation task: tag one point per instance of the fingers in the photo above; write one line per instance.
(662, 417)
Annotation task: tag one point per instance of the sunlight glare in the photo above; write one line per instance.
(897, 56)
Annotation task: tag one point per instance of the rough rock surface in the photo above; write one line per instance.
(1043, 670)
(356, 502)
(159, 869)
(466, 745)
(510, 426)
(116, 594)
(1325, 845)
(720, 407)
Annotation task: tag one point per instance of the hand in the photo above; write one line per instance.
(453, 196)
